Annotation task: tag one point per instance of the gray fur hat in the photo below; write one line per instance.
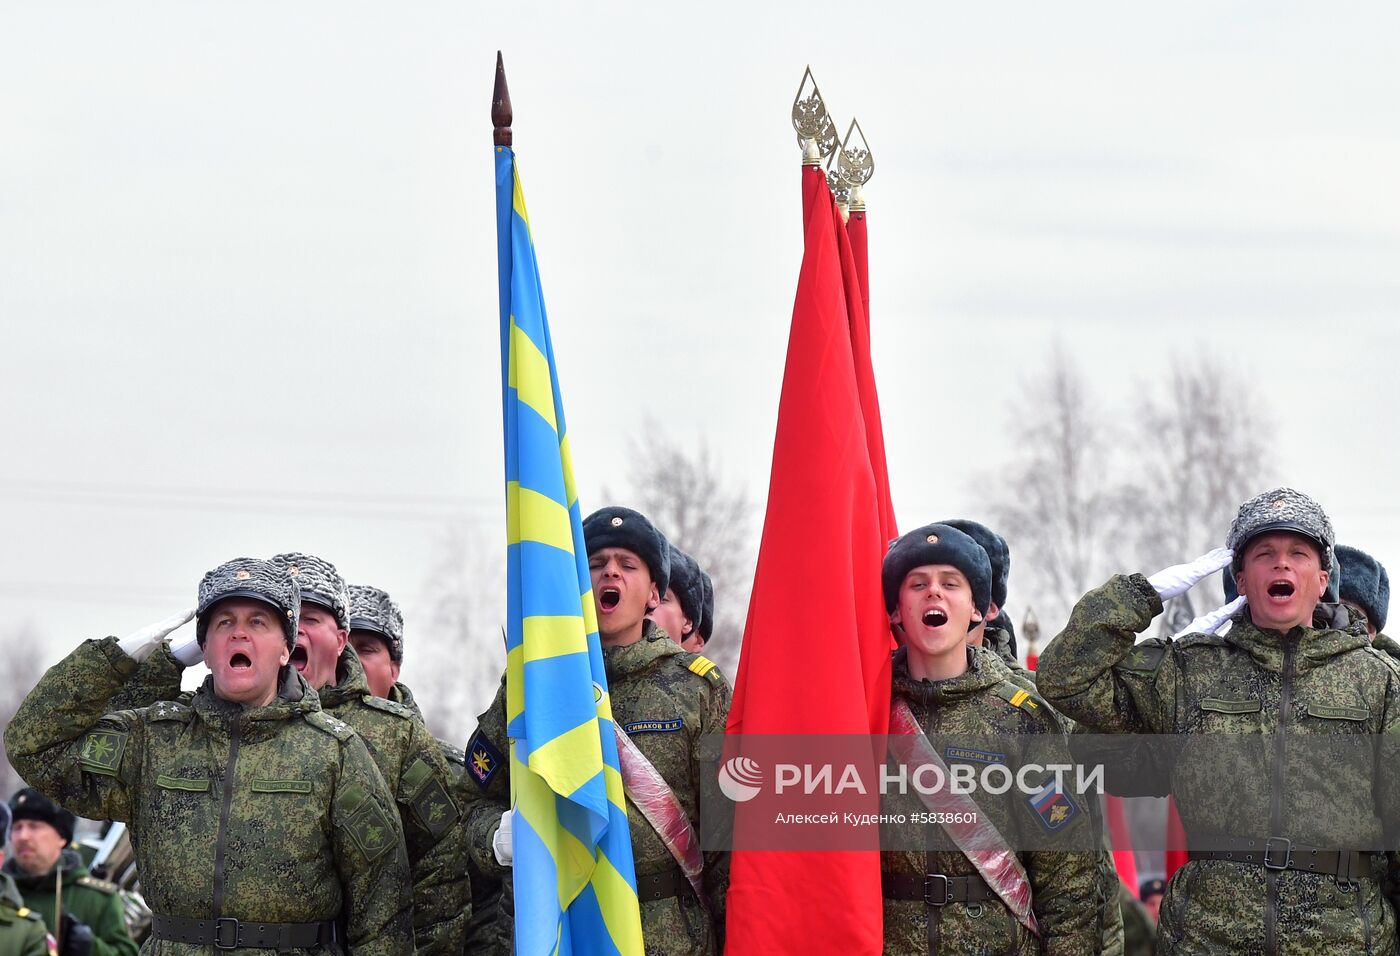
(249, 578)
(1364, 582)
(319, 581)
(997, 552)
(624, 528)
(937, 544)
(687, 586)
(706, 626)
(1281, 509)
(373, 610)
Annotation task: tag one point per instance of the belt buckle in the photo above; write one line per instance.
(234, 926)
(929, 884)
(1269, 851)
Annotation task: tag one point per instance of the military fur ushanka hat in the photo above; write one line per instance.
(1364, 582)
(250, 578)
(624, 528)
(937, 544)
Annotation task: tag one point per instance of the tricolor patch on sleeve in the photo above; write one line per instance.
(483, 759)
(1052, 806)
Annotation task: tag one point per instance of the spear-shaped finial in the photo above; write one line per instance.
(500, 105)
(816, 133)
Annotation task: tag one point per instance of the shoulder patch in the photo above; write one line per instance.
(102, 751)
(93, 883)
(701, 665)
(1019, 697)
(334, 726)
(168, 710)
(365, 822)
(432, 807)
(388, 706)
(1052, 806)
(484, 761)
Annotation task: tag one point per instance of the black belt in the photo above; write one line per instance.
(230, 933)
(662, 886)
(1280, 853)
(935, 889)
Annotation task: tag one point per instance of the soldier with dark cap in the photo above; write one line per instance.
(46, 870)
(376, 634)
(258, 821)
(22, 931)
(665, 699)
(1281, 858)
(682, 608)
(408, 755)
(1365, 588)
(937, 585)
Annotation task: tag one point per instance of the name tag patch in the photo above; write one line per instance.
(654, 726)
(975, 756)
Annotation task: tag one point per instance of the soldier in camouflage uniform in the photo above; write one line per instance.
(22, 931)
(1365, 588)
(665, 699)
(376, 633)
(1282, 856)
(408, 756)
(93, 922)
(682, 607)
(259, 822)
(994, 634)
(937, 584)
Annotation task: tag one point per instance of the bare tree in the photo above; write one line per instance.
(1055, 500)
(1199, 453)
(454, 650)
(22, 671)
(682, 489)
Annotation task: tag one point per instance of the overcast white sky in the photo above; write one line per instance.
(247, 253)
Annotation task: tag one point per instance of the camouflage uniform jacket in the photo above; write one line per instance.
(1064, 887)
(274, 814)
(1252, 691)
(412, 764)
(485, 890)
(22, 931)
(1387, 645)
(657, 688)
(91, 901)
(1139, 935)
(1111, 923)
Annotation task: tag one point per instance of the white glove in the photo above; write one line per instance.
(186, 650)
(1179, 578)
(139, 645)
(1210, 623)
(500, 841)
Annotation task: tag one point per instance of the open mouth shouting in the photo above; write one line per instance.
(935, 617)
(239, 661)
(298, 659)
(1281, 590)
(609, 598)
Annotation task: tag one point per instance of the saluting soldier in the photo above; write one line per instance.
(665, 699)
(376, 634)
(1284, 851)
(44, 868)
(22, 931)
(408, 756)
(259, 821)
(937, 585)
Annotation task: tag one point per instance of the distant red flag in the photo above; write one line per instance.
(816, 647)
(851, 240)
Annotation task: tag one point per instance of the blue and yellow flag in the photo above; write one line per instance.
(575, 889)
